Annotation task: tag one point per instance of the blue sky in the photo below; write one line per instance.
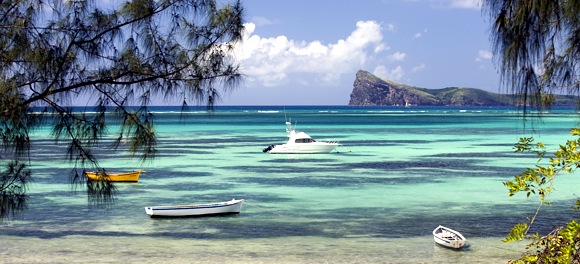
(307, 52)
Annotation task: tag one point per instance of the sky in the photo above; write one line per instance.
(307, 52)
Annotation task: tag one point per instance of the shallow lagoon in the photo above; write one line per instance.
(399, 174)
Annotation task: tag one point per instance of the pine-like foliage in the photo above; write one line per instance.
(537, 47)
(55, 54)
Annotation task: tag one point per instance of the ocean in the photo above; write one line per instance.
(399, 173)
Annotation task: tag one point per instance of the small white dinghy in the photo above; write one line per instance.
(448, 237)
(230, 207)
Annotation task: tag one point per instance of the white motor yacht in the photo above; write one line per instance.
(300, 142)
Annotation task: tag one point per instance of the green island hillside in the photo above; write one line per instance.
(370, 90)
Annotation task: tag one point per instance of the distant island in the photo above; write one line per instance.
(370, 90)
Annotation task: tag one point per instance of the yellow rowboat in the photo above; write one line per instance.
(132, 176)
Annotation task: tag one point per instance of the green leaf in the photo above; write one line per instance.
(517, 233)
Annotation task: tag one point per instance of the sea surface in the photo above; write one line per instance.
(399, 173)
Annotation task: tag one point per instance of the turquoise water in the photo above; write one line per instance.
(399, 173)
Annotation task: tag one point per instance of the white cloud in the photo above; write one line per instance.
(262, 21)
(419, 34)
(483, 55)
(395, 74)
(381, 71)
(398, 56)
(419, 67)
(461, 4)
(271, 61)
(390, 27)
(466, 4)
(381, 47)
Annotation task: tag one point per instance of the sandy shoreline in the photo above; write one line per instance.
(86, 249)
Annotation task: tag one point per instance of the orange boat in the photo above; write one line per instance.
(132, 176)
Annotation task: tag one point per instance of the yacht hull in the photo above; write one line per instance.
(306, 148)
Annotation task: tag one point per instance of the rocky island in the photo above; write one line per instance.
(370, 90)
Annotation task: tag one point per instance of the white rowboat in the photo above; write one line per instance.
(448, 237)
(230, 207)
